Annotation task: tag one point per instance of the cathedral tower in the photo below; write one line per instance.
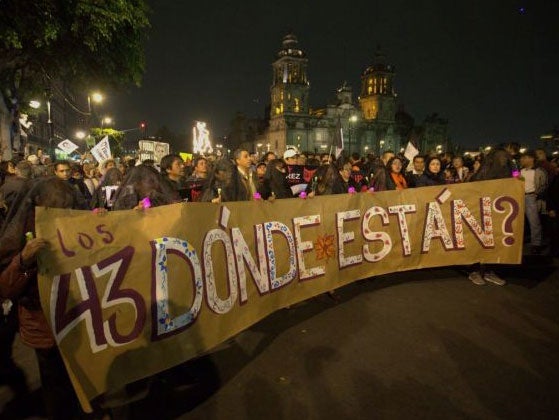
(378, 99)
(290, 86)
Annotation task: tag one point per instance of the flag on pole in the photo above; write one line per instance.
(102, 150)
(410, 152)
(339, 139)
(67, 146)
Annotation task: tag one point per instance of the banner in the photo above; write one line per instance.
(67, 146)
(102, 150)
(131, 293)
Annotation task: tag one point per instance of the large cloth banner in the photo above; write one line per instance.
(131, 293)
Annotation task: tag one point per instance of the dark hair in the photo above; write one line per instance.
(167, 162)
(56, 164)
(418, 157)
(47, 192)
(143, 181)
(496, 164)
(112, 177)
(25, 169)
(237, 154)
(391, 161)
(439, 177)
(198, 159)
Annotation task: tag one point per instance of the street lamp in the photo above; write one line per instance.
(95, 97)
(106, 121)
(80, 135)
(352, 119)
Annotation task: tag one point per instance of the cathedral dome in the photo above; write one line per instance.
(290, 47)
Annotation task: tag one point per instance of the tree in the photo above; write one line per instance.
(82, 42)
(115, 139)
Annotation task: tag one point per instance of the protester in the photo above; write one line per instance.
(219, 183)
(104, 195)
(459, 172)
(18, 280)
(535, 186)
(7, 169)
(172, 169)
(14, 185)
(433, 174)
(275, 181)
(395, 179)
(196, 182)
(379, 181)
(322, 181)
(143, 185)
(341, 183)
(77, 179)
(242, 186)
(269, 156)
(496, 165)
(418, 166)
(553, 214)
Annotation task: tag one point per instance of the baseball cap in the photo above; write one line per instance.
(289, 153)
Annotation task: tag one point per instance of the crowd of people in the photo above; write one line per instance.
(123, 184)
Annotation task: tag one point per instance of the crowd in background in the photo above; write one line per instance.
(119, 184)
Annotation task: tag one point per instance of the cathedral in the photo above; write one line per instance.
(369, 127)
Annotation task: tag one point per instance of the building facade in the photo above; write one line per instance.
(369, 124)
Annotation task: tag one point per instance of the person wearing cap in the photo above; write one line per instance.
(290, 156)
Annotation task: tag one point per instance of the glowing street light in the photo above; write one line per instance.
(106, 121)
(34, 104)
(80, 135)
(97, 97)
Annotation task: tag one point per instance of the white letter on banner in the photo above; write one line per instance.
(376, 236)
(483, 232)
(401, 211)
(269, 229)
(243, 255)
(302, 246)
(345, 237)
(435, 227)
(216, 304)
(166, 324)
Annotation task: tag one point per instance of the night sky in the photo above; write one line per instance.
(490, 67)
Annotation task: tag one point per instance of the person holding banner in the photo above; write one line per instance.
(433, 174)
(219, 182)
(242, 186)
(496, 165)
(18, 280)
(275, 181)
(143, 185)
(104, 195)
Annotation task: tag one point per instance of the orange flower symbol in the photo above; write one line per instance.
(324, 246)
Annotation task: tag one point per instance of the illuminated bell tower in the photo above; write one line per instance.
(378, 99)
(290, 86)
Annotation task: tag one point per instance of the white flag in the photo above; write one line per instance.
(67, 146)
(410, 152)
(102, 150)
(339, 139)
